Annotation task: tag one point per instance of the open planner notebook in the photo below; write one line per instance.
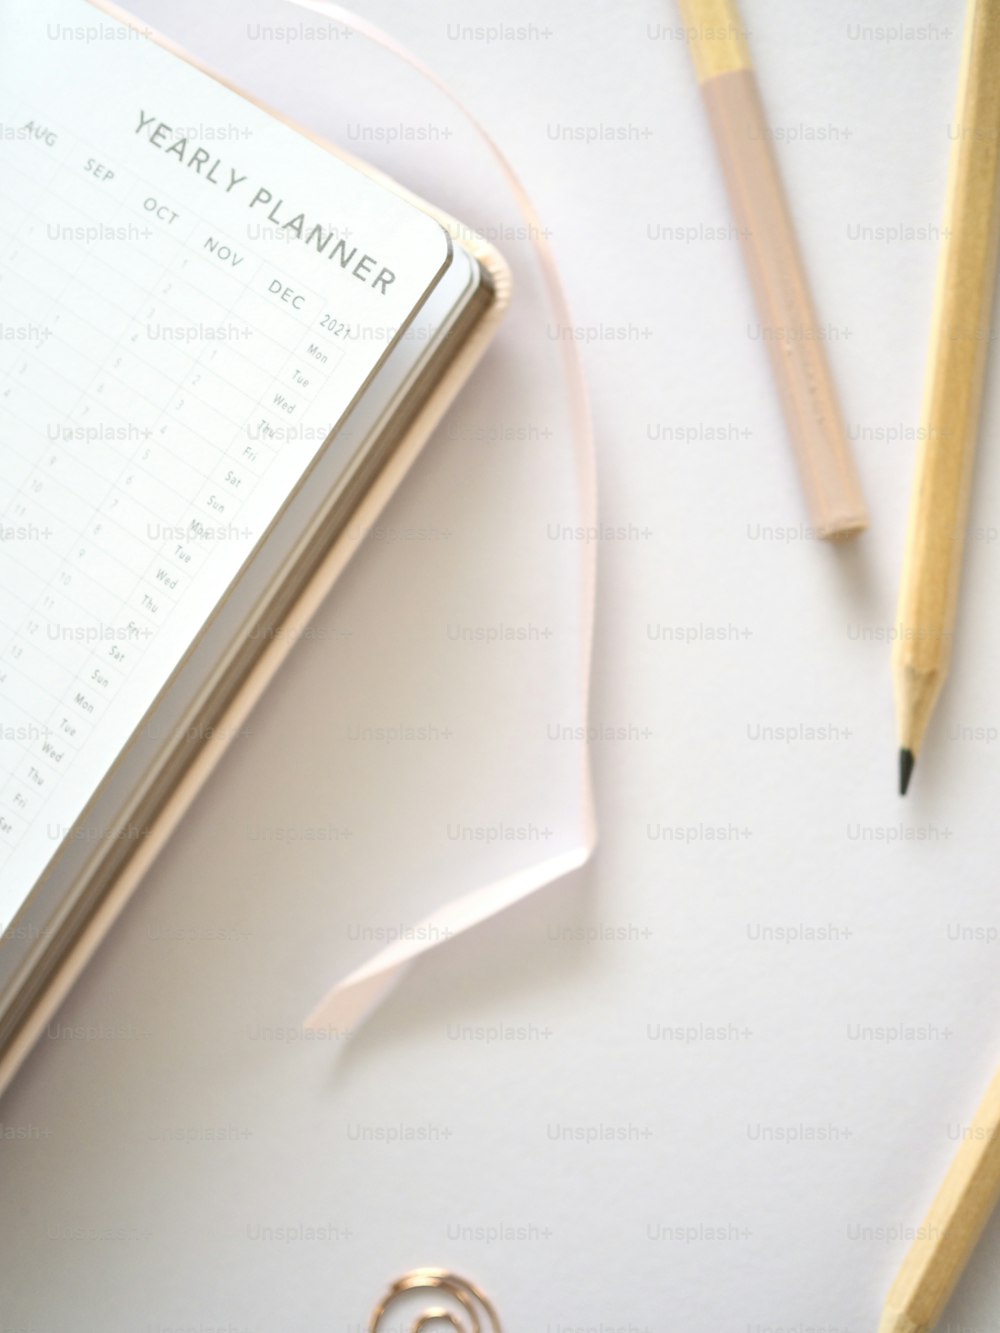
(215, 334)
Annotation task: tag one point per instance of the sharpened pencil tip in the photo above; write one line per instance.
(906, 763)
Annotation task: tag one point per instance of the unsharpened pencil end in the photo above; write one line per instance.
(906, 763)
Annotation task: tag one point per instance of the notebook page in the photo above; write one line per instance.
(191, 296)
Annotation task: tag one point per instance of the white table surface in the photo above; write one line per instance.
(739, 1064)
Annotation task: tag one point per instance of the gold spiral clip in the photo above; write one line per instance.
(472, 1304)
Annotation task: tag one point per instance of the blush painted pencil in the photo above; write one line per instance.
(790, 327)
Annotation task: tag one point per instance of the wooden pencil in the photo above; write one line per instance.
(789, 325)
(951, 1228)
(953, 391)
